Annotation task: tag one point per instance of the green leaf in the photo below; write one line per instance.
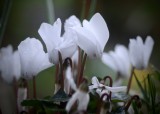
(60, 96)
(141, 88)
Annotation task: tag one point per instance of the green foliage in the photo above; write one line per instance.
(149, 91)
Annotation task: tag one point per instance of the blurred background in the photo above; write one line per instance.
(126, 19)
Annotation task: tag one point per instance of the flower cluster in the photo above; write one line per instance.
(68, 53)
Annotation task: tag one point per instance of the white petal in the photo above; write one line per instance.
(70, 79)
(72, 101)
(86, 41)
(148, 46)
(83, 100)
(50, 34)
(95, 81)
(135, 54)
(72, 21)
(108, 60)
(123, 60)
(100, 29)
(16, 65)
(32, 56)
(116, 89)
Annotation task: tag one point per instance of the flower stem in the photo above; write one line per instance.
(135, 97)
(110, 84)
(79, 65)
(34, 87)
(61, 70)
(50, 11)
(130, 81)
(92, 8)
(82, 69)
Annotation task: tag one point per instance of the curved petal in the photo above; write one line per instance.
(148, 46)
(50, 34)
(135, 54)
(70, 79)
(99, 27)
(85, 43)
(16, 65)
(123, 59)
(108, 60)
(116, 89)
(72, 21)
(95, 81)
(32, 56)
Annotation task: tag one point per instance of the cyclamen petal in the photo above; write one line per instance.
(33, 58)
(70, 79)
(81, 97)
(148, 46)
(51, 35)
(116, 89)
(140, 52)
(93, 36)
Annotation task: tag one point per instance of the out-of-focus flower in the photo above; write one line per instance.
(10, 66)
(140, 52)
(33, 58)
(93, 36)
(118, 60)
(51, 35)
(81, 94)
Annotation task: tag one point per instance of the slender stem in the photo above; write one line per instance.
(130, 81)
(61, 70)
(92, 8)
(101, 102)
(79, 64)
(135, 97)
(34, 87)
(57, 71)
(83, 9)
(82, 68)
(4, 17)
(50, 11)
(15, 91)
(110, 84)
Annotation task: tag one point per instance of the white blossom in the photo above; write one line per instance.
(118, 60)
(33, 58)
(10, 66)
(140, 52)
(51, 35)
(93, 36)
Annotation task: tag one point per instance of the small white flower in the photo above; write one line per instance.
(33, 58)
(118, 60)
(140, 52)
(51, 35)
(93, 36)
(101, 88)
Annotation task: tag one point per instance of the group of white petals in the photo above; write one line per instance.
(91, 36)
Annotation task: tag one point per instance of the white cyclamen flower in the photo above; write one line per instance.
(80, 95)
(140, 52)
(93, 36)
(118, 60)
(51, 35)
(32, 56)
(10, 66)
(82, 99)
(99, 87)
